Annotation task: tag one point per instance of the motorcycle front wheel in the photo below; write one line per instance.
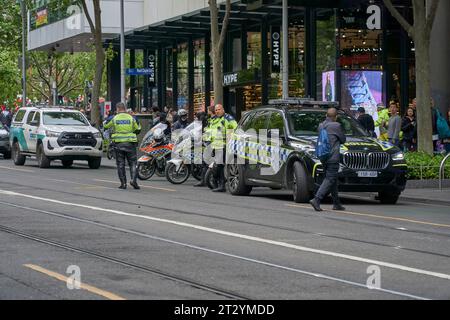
(177, 177)
(146, 170)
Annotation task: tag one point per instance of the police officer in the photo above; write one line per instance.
(222, 125)
(207, 126)
(124, 130)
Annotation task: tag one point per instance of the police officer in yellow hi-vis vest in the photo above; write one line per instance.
(222, 126)
(124, 130)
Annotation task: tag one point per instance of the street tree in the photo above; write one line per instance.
(217, 44)
(420, 33)
(96, 30)
(69, 71)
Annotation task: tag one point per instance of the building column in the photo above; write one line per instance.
(207, 71)
(113, 79)
(133, 80)
(227, 66)
(161, 78)
(146, 103)
(439, 57)
(175, 75)
(265, 63)
(311, 40)
(191, 78)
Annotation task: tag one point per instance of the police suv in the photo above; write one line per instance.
(54, 133)
(366, 165)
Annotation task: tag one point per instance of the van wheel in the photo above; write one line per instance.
(95, 163)
(236, 182)
(19, 160)
(388, 198)
(42, 159)
(300, 184)
(67, 163)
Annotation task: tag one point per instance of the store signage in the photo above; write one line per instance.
(275, 36)
(230, 79)
(152, 68)
(374, 21)
(242, 77)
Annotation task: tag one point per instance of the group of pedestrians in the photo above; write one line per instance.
(402, 131)
(6, 118)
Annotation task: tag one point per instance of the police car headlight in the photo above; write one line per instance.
(399, 156)
(52, 134)
(97, 135)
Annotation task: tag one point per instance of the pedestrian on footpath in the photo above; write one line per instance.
(124, 130)
(336, 137)
(366, 121)
(394, 125)
(409, 128)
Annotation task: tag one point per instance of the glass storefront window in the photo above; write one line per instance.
(183, 83)
(326, 54)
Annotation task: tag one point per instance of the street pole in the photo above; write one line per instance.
(24, 60)
(122, 53)
(55, 93)
(285, 50)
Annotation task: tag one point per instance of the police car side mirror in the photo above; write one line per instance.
(34, 123)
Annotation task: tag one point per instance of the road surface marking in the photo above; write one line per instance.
(149, 187)
(81, 184)
(376, 216)
(187, 245)
(99, 292)
(16, 169)
(240, 236)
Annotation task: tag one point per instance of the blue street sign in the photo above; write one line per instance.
(139, 72)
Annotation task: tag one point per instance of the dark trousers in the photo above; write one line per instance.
(330, 183)
(126, 152)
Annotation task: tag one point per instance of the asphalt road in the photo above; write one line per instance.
(181, 242)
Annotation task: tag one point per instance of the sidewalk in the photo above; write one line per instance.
(431, 196)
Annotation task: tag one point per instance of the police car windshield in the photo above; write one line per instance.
(64, 119)
(306, 123)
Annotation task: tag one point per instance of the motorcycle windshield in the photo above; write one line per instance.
(192, 131)
(148, 138)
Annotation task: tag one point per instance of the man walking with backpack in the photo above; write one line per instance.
(331, 136)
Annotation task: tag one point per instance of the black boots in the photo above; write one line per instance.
(135, 185)
(338, 207)
(123, 184)
(315, 203)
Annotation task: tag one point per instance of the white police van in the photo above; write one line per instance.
(54, 133)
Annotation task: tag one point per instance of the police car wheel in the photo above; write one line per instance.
(7, 155)
(19, 160)
(299, 185)
(42, 159)
(236, 182)
(388, 197)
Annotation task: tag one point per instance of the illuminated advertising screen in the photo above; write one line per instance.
(328, 86)
(362, 88)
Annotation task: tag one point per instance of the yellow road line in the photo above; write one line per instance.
(148, 187)
(103, 293)
(15, 169)
(377, 216)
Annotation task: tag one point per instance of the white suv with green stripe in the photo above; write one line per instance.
(54, 134)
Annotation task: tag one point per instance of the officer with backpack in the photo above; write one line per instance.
(331, 136)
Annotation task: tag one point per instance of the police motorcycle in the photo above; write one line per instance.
(157, 150)
(186, 155)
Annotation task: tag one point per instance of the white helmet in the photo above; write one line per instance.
(158, 135)
(182, 112)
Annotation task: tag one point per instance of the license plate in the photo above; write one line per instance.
(367, 174)
(78, 149)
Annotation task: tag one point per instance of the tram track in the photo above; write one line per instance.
(146, 269)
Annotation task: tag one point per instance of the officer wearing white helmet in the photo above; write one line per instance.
(182, 122)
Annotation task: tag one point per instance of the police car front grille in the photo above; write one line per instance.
(76, 139)
(366, 161)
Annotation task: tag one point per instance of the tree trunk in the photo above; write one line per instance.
(95, 108)
(423, 92)
(218, 77)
